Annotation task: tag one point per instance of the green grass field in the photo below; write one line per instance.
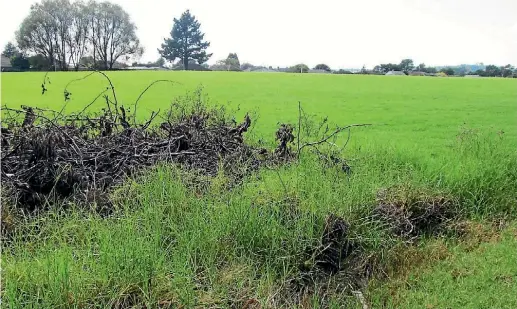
(169, 247)
(406, 111)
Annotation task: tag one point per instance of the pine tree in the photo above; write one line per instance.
(10, 50)
(186, 41)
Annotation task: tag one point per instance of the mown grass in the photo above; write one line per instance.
(415, 113)
(169, 245)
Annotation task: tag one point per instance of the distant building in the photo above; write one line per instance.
(395, 73)
(318, 71)
(5, 64)
(147, 68)
(265, 70)
(468, 75)
(191, 67)
(417, 73)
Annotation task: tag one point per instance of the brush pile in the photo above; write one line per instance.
(410, 212)
(48, 156)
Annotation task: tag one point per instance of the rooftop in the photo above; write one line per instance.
(5, 62)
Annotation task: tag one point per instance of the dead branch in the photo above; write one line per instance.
(337, 131)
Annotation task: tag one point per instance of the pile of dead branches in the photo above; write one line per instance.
(49, 156)
(54, 156)
(410, 212)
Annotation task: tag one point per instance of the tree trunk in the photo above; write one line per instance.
(185, 64)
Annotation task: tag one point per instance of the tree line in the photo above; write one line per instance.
(65, 35)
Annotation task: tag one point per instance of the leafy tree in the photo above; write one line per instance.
(160, 62)
(448, 71)
(299, 68)
(63, 32)
(186, 41)
(232, 62)
(507, 70)
(78, 32)
(20, 62)
(421, 67)
(115, 34)
(493, 70)
(480, 72)
(431, 70)
(91, 15)
(322, 66)
(39, 62)
(43, 30)
(387, 67)
(10, 50)
(219, 65)
(90, 63)
(245, 66)
(460, 71)
(406, 65)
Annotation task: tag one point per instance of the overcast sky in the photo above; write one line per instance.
(341, 33)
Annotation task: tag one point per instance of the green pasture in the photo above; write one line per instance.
(423, 113)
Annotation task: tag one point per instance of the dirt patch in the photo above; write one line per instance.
(472, 234)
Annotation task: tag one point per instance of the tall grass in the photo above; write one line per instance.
(170, 245)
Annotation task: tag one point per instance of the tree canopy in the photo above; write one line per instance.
(322, 66)
(299, 68)
(232, 62)
(64, 32)
(186, 42)
(406, 65)
(448, 71)
(10, 50)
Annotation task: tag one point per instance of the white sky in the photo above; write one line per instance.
(341, 33)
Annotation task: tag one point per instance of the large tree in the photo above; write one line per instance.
(10, 50)
(64, 32)
(20, 62)
(386, 67)
(39, 62)
(449, 71)
(507, 70)
(115, 35)
(406, 65)
(322, 66)
(492, 70)
(232, 62)
(421, 67)
(186, 41)
(78, 34)
(247, 66)
(38, 32)
(299, 68)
